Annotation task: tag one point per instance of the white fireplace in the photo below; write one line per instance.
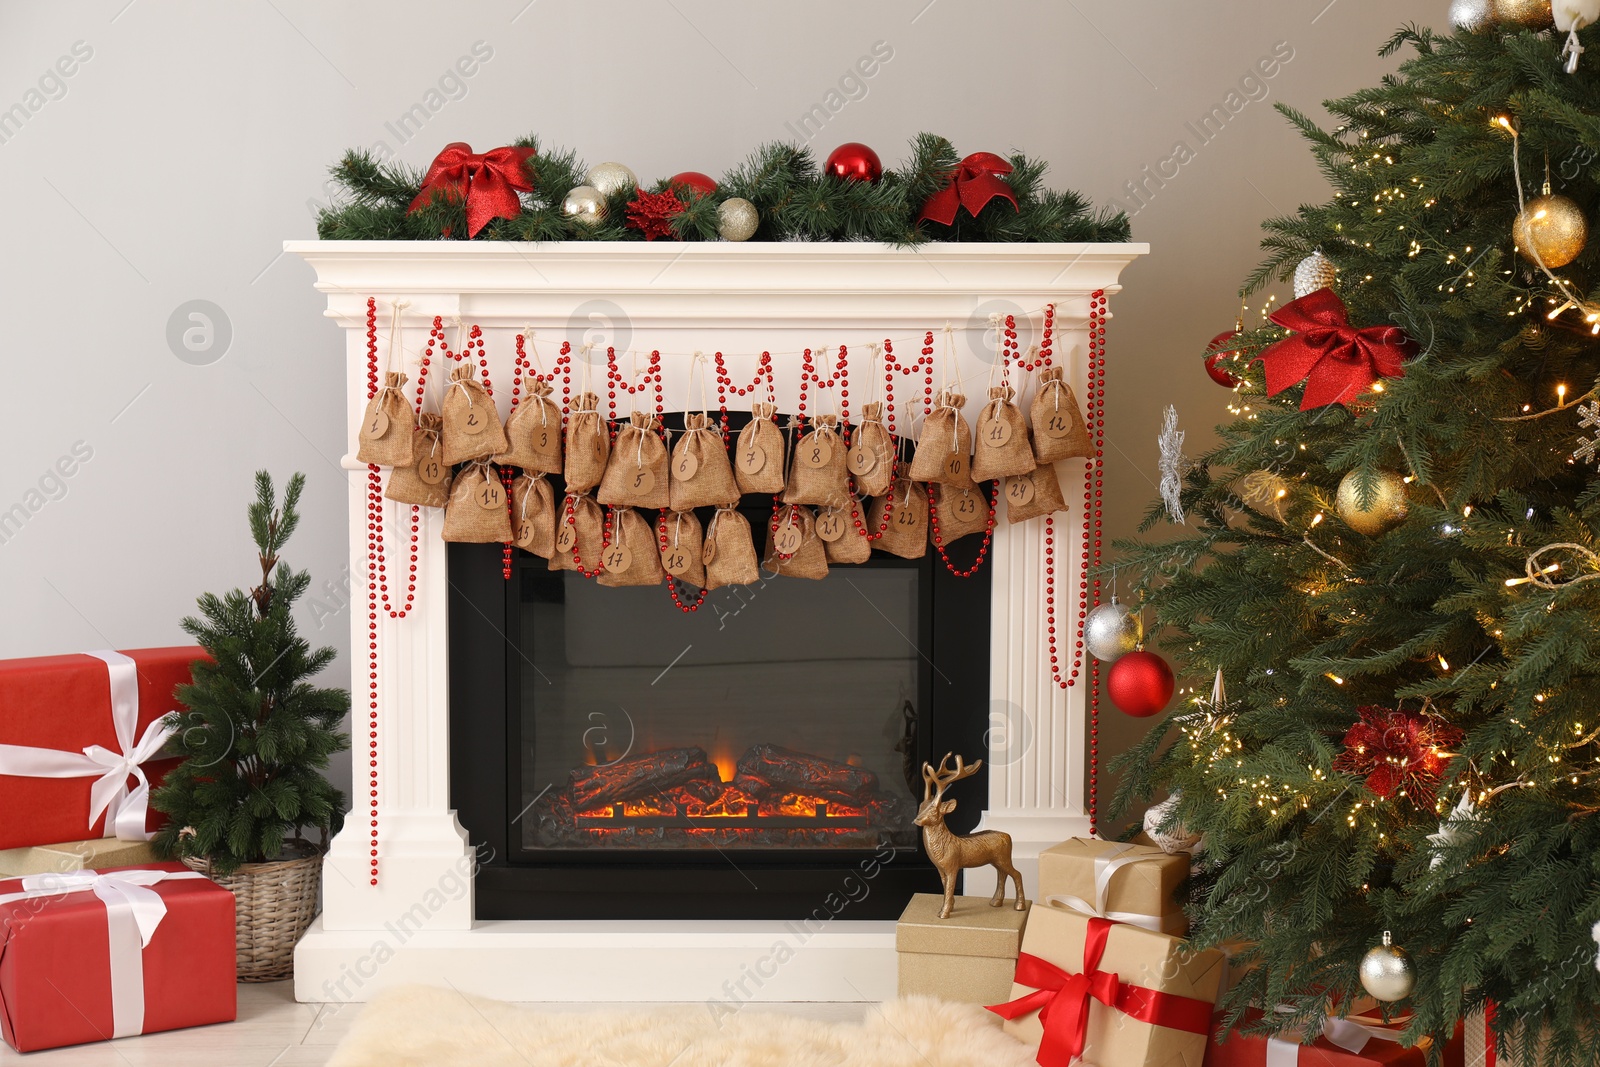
(417, 924)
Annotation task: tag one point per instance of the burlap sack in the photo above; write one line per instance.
(636, 473)
(944, 451)
(579, 538)
(872, 453)
(701, 473)
(758, 464)
(385, 436)
(817, 471)
(634, 555)
(809, 559)
(477, 511)
(472, 427)
(961, 512)
(684, 556)
(842, 540)
(729, 551)
(533, 433)
(1058, 428)
(1033, 494)
(588, 446)
(426, 481)
(533, 515)
(1002, 438)
(906, 535)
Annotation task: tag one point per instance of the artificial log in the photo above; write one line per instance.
(639, 776)
(766, 770)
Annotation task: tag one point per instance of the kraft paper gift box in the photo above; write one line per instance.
(1127, 882)
(94, 955)
(1110, 994)
(75, 856)
(968, 957)
(79, 736)
(1354, 1041)
(1479, 1042)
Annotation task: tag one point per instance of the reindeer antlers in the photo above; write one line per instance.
(944, 776)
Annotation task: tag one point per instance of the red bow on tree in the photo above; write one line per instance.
(976, 181)
(1337, 361)
(488, 182)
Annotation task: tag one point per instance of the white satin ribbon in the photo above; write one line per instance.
(133, 912)
(125, 810)
(1284, 1051)
(1108, 863)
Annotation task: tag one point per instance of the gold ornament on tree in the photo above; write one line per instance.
(1386, 505)
(584, 204)
(1522, 14)
(737, 219)
(1387, 972)
(1550, 230)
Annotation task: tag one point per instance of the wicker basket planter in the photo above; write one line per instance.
(274, 902)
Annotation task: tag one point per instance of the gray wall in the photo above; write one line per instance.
(190, 139)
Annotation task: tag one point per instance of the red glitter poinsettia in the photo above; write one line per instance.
(652, 213)
(1399, 752)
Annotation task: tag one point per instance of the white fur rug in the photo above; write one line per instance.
(420, 1025)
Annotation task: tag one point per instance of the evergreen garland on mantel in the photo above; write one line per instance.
(796, 202)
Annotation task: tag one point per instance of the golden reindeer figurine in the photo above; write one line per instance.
(951, 852)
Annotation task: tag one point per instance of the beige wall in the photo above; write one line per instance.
(189, 138)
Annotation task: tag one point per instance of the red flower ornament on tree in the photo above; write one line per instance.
(1336, 360)
(488, 181)
(652, 213)
(1400, 752)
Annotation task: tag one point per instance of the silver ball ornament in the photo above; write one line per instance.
(737, 219)
(584, 204)
(611, 179)
(1387, 972)
(1471, 15)
(1111, 631)
(1314, 272)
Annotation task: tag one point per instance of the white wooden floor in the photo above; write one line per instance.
(274, 1031)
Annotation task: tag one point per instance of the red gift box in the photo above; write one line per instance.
(77, 737)
(1357, 1041)
(93, 955)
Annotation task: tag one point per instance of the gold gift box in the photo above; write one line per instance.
(968, 957)
(68, 856)
(1147, 886)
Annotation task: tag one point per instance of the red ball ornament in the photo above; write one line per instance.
(1140, 683)
(854, 161)
(701, 184)
(1215, 353)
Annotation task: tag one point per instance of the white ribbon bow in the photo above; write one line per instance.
(125, 810)
(1284, 1050)
(1107, 864)
(133, 912)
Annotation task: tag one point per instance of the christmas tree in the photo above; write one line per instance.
(1389, 557)
(257, 734)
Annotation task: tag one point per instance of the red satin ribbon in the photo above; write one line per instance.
(488, 182)
(1062, 1000)
(1337, 361)
(975, 182)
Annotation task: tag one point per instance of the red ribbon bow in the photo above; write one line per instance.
(488, 182)
(975, 182)
(1337, 361)
(1062, 1000)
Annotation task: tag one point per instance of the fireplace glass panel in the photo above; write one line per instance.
(781, 715)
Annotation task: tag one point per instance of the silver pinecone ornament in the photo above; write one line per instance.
(1314, 272)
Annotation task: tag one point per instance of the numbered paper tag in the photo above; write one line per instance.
(995, 432)
(432, 470)
(642, 480)
(861, 459)
(955, 465)
(490, 495)
(616, 558)
(752, 459)
(377, 423)
(1019, 490)
(816, 451)
(1057, 424)
(966, 506)
(903, 515)
(788, 539)
(685, 466)
(708, 551)
(546, 442)
(525, 532)
(475, 422)
(676, 560)
(567, 537)
(830, 525)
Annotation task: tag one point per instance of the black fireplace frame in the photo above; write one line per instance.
(514, 883)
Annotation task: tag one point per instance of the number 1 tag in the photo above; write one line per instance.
(377, 424)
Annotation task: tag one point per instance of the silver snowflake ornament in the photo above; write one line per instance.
(1173, 464)
(1588, 450)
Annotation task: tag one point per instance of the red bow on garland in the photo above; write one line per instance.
(975, 182)
(1337, 361)
(488, 182)
(1062, 1000)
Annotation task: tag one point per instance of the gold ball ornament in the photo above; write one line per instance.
(584, 204)
(1387, 972)
(1553, 227)
(1522, 14)
(611, 179)
(1387, 506)
(737, 219)
(1472, 15)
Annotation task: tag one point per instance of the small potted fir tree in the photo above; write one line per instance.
(254, 741)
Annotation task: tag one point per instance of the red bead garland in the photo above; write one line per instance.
(938, 540)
